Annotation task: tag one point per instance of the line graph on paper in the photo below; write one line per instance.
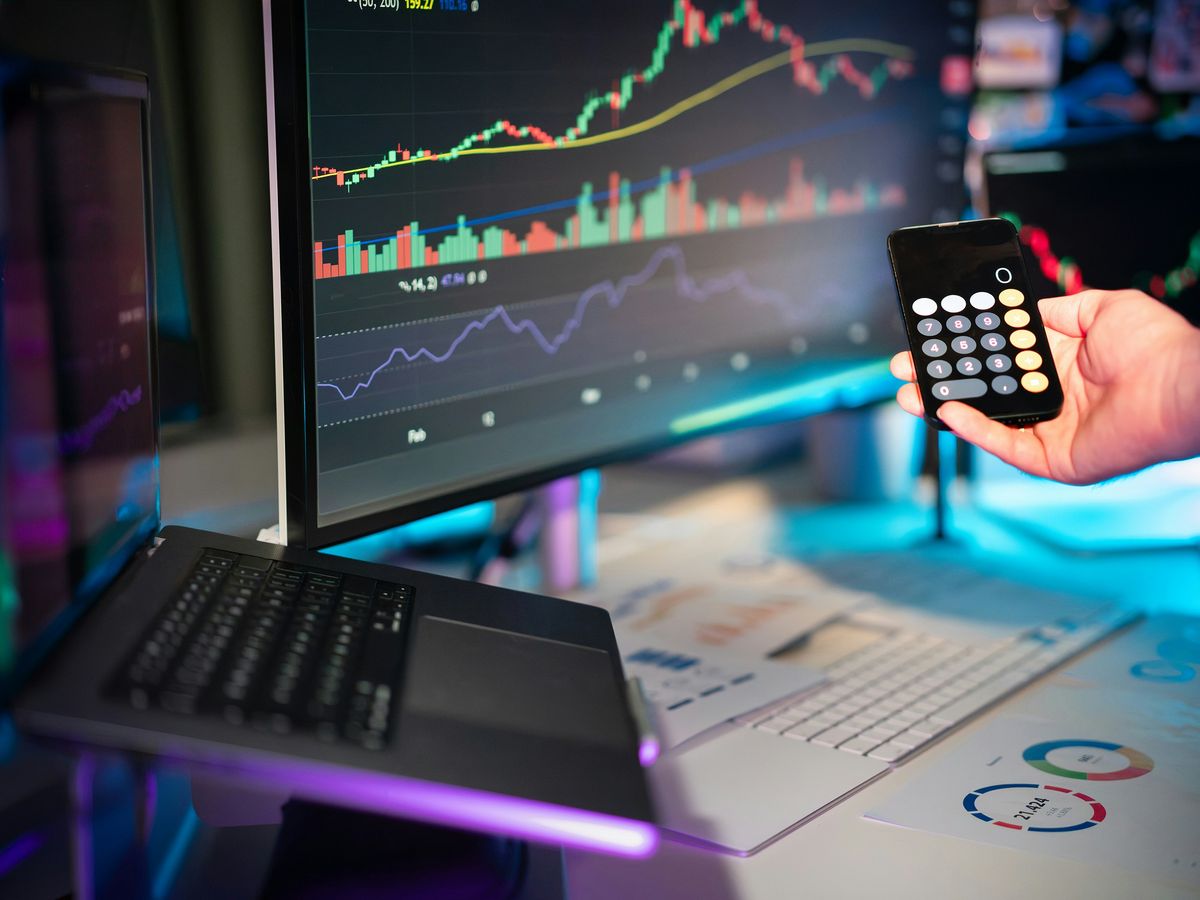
(527, 210)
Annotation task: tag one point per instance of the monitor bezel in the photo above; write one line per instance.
(295, 327)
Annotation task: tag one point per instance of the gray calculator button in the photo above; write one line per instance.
(933, 348)
(959, 389)
(987, 321)
(929, 327)
(998, 362)
(1004, 384)
(992, 342)
(963, 344)
(939, 368)
(958, 324)
(969, 366)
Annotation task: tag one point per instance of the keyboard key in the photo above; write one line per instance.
(775, 725)
(858, 745)
(889, 752)
(927, 728)
(804, 730)
(831, 737)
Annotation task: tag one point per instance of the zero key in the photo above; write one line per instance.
(960, 389)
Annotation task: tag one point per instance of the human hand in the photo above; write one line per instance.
(1130, 371)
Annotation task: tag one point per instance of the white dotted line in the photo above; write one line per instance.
(477, 393)
(447, 318)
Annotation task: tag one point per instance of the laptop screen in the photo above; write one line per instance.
(79, 485)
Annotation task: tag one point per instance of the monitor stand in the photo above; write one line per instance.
(327, 852)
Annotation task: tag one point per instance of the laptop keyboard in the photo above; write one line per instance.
(891, 698)
(277, 646)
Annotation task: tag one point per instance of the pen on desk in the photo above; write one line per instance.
(649, 746)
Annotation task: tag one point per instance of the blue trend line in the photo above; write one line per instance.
(685, 285)
(745, 154)
(82, 438)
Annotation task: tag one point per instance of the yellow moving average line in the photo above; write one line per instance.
(821, 48)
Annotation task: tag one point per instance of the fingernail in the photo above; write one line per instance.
(948, 414)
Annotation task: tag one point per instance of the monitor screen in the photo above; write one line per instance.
(533, 236)
(78, 465)
(1141, 231)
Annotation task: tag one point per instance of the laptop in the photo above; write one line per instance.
(363, 685)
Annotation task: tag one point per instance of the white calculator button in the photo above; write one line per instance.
(952, 303)
(982, 300)
(924, 307)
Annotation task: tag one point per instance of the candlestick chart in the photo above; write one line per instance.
(532, 220)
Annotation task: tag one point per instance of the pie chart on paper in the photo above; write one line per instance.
(1089, 760)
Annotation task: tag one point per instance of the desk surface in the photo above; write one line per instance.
(841, 854)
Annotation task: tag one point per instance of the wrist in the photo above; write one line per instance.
(1184, 410)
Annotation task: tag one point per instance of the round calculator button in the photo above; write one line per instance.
(924, 306)
(1004, 275)
(998, 362)
(963, 344)
(958, 324)
(1022, 339)
(969, 366)
(1029, 360)
(1011, 297)
(952, 303)
(992, 342)
(982, 300)
(1016, 318)
(929, 327)
(939, 368)
(1034, 382)
(1004, 384)
(933, 348)
(987, 321)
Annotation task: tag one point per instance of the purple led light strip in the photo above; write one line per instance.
(614, 293)
(457, 807)
(20, 850)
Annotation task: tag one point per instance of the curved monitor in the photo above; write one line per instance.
(515, 239)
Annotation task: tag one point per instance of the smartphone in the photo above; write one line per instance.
(973, 327)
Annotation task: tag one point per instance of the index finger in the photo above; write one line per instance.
(902, 366)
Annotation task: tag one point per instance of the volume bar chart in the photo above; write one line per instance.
(670, 209)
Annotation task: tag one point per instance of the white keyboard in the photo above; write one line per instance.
(891, 698)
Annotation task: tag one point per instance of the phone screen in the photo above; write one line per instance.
(974, 328)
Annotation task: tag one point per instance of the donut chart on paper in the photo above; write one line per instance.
(1089, 760)
(1034, 807)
